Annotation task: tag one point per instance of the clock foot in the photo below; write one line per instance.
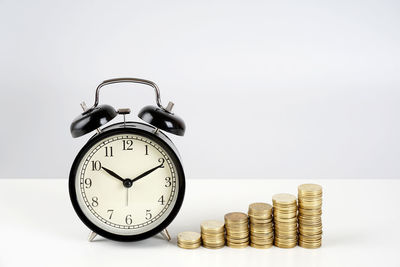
(92, 235)
(166, 235)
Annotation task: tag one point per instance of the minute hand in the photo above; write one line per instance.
(147, 172)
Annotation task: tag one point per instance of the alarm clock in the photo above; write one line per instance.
(127, 182)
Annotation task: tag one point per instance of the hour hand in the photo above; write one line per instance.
(113, 174)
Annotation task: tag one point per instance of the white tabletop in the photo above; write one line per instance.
(38, 226)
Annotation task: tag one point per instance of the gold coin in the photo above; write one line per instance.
(315, 238)
(310, 188)
(311, 199)
(189, 237)
(232, 245)
(311, 207)
(302, 197)
(310, 223)
(310, 245)
(236, 217)
(189, 246)
(289, 242)
(213, 241)
(310, 227)
(262, 241)
(285, 228)
(309, 213)
(236, 227)
(237, 237)
(260, 208)
(261, 229)
(286, 245)
(284, 198)
(285, 236)
(208, 236)
(237, 241)
(212, 226)
(214, 247)
(310, 233)
(286, 216)
(260, 246)
(237, 230)
(256, 220)
(257, 235)
(253, 224)
(313, 218)
(309, 218)
(263, 219)
(285, 220)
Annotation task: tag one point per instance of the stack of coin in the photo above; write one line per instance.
(261, 229)
(213, 234)
(237, 229)
(310, 211)
(285, 220)
(189, 240)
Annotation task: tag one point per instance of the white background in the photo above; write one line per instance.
(267, 88)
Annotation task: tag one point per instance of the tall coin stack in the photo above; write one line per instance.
(285, 219)
(261, 230)
(237, 229)
(213, 234)
(310, 211)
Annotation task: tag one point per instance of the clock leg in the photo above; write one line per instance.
(92, 235)
(166, 235)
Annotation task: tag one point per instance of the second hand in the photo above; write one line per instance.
(127, 196)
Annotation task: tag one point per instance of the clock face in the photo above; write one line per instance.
(126, 184)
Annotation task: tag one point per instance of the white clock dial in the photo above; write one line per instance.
(105, 173)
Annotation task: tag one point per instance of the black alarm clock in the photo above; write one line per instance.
(127, 183)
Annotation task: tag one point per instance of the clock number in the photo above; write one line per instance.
(88, 183)
(148, 215)
(109, 151)
(168, 182)
(128, 219)
(146, 150)
(95, 201)
(161, 160)
(127, 144)
(161, 200)
(111, 213)
(96, 165)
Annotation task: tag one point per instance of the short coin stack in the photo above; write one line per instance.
(237, 229)
(310, 211)
(261, 229)
(285, 219)
(189, 240)
(213, 234)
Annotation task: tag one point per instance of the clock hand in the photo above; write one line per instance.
(148, 172)
(127, 196)
(113, 174)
